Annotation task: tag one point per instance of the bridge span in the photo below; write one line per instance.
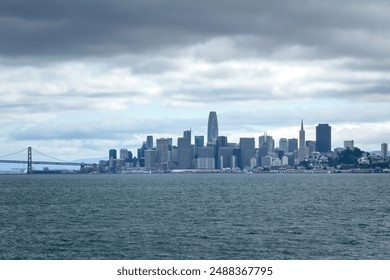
(30, 162)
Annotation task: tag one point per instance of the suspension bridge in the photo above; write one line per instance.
(30, 162)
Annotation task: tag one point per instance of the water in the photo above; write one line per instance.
(199, 216)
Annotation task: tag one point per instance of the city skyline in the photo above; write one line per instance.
(78, 79)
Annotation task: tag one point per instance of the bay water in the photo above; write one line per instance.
(195, 216)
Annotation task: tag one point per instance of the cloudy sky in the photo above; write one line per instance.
(79, 77)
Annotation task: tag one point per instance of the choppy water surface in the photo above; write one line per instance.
(200, 216)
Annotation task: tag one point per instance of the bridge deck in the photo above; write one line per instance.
(42, 162)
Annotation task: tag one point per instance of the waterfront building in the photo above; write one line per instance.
(283, 145)
(323, 138)
(302, 144)
(384, 150)
(224, 157)
(162, 149)
(292, 145)
(150, 159)
(247, 148)
(205, 163)
(206, 152)
(185, 153)
(212, 128)
(349, 144)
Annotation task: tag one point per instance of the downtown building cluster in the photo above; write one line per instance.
(216, 153)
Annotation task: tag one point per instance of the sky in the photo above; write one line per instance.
(80, 77)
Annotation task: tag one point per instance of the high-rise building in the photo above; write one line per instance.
(149, 142)
(224, 157)
(199, 142)
(212, 128)
(187, 134)
(384, 150)
(124, 154)
(323, 138)
(247, 147)
(349, 144)
(292, 145)
(267, 143)
(283, 145)
(185, 153)
(302, 144)
(310, 147)
(112, 154)
(150, 159)
(162, 149)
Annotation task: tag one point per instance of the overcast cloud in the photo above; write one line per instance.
(80, 77)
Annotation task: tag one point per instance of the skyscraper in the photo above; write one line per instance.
(302, 144)
(292, 145)
(162, 151)
(247, 147)
(149, 142)
(283, 145)
(199, 142)
(212, 128)
(384, 150)
(323, 138)
(187, 134)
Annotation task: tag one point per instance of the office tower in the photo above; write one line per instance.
(170, 140)
(224, 157)
(212, 128)
(292, 145)
(302, 144)
(310, 147)
(124, 154)
(112, 160)
(150, 159)
(283, 145)
(112, 154)
(384, 150)
(349, 144)
(199, 142)
(187, 134)
(141, 151)
(149, 142)
(323, 138)
(205, 163)
(162, 149)
(247, 147)
(185, 153)
(266, 144)
(206, 152)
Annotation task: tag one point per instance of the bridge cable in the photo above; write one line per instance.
(14, 153)
(35, 150)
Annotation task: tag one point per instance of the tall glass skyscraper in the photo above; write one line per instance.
(323, 138)
(212, 128)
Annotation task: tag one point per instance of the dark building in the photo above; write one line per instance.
(149, 142)
(187, 134)
(247, 147)
(185, 153)
(112, 154)
(199, 142)
(212, 128)
(292, 145)
(323, 138)
(224, 157)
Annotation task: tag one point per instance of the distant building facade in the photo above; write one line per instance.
(323, 138)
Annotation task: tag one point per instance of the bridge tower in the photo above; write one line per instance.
(29, 160)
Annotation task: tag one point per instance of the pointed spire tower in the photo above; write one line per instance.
(302, 144)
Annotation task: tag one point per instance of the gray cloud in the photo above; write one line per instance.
(73, 28)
